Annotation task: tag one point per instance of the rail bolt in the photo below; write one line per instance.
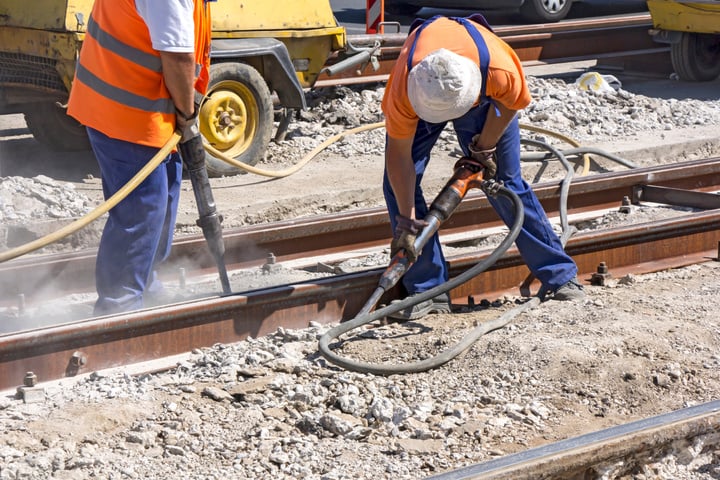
(30, 379)
(601, 275)
(625, 207)
(270, 264)
(78, 359)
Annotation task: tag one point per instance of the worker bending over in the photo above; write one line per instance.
(457, 69)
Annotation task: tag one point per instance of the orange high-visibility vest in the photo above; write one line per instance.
(118, 87)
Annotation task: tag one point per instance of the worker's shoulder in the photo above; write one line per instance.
(501, 54)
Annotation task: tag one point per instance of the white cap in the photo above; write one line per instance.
(443, 86)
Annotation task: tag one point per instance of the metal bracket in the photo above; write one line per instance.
(360, 57)
(675, 196)
(28, 391)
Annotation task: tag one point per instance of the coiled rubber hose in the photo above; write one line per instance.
(486, 327)
(457, 349)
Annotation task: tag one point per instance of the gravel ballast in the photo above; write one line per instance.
(273, 408)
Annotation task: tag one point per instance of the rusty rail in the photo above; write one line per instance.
(625, 447)
(622, 42)
(105, 342)
(84, 346)
(38, 276)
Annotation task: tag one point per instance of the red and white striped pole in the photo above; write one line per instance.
(374, 15)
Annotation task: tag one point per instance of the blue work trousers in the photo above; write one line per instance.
(139, 230)
(539, 246)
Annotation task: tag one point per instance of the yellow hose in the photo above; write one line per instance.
(99, 210)
(170, 145)
(289, 171)
(336, 138)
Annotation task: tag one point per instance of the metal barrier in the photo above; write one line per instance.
(374, 16)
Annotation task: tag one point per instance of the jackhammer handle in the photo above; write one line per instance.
(442, 207)
(193, 156)
(468, 174)
(400, 263)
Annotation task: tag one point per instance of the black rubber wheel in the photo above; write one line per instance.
(51, 126)
(696, 57)
(541, 11)
(236, 117)
(400, 8)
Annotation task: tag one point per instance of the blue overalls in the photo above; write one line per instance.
(539, 246)
(139, 230)
(138, 233)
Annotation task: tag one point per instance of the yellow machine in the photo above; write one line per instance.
(260, 49)
(692, 28)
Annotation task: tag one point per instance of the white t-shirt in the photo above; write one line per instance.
(170, 22)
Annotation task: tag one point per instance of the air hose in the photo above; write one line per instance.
(336, 138)
(540, 156)
(399, 265)
(396, 269)
(100, 209)
(574, 143)
(289, 171)
(564, 186)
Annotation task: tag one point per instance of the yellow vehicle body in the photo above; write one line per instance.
(692, 28)
(54, 29)
(259, 47)
(686, 16)
(54, 15)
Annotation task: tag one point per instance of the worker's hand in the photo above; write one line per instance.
(406, 231)
(485, 157)
(187, 125)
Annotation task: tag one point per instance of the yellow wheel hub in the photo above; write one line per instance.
(228, 118)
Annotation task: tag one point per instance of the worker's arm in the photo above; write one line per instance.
(494, 126)
(401, 173)
(179, 75)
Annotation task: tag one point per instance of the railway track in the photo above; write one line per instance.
(94, 344)
(79, 347)
(621, 43)
(337, 234)
(611, 453)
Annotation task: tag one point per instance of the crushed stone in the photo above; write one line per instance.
(272, 407)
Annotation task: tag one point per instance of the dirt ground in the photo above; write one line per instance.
(637, 347)
(273, 408)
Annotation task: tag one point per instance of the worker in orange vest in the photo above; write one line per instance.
(142, 65)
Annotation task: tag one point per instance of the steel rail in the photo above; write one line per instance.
(618, 449)
(84, 346)
(622, 42)
(39, 276)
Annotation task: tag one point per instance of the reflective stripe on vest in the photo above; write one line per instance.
(162, 105)
(108, 42)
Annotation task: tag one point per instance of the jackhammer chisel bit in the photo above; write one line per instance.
(193, 156)
(467, 174)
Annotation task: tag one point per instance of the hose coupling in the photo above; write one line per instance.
(491, 187)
